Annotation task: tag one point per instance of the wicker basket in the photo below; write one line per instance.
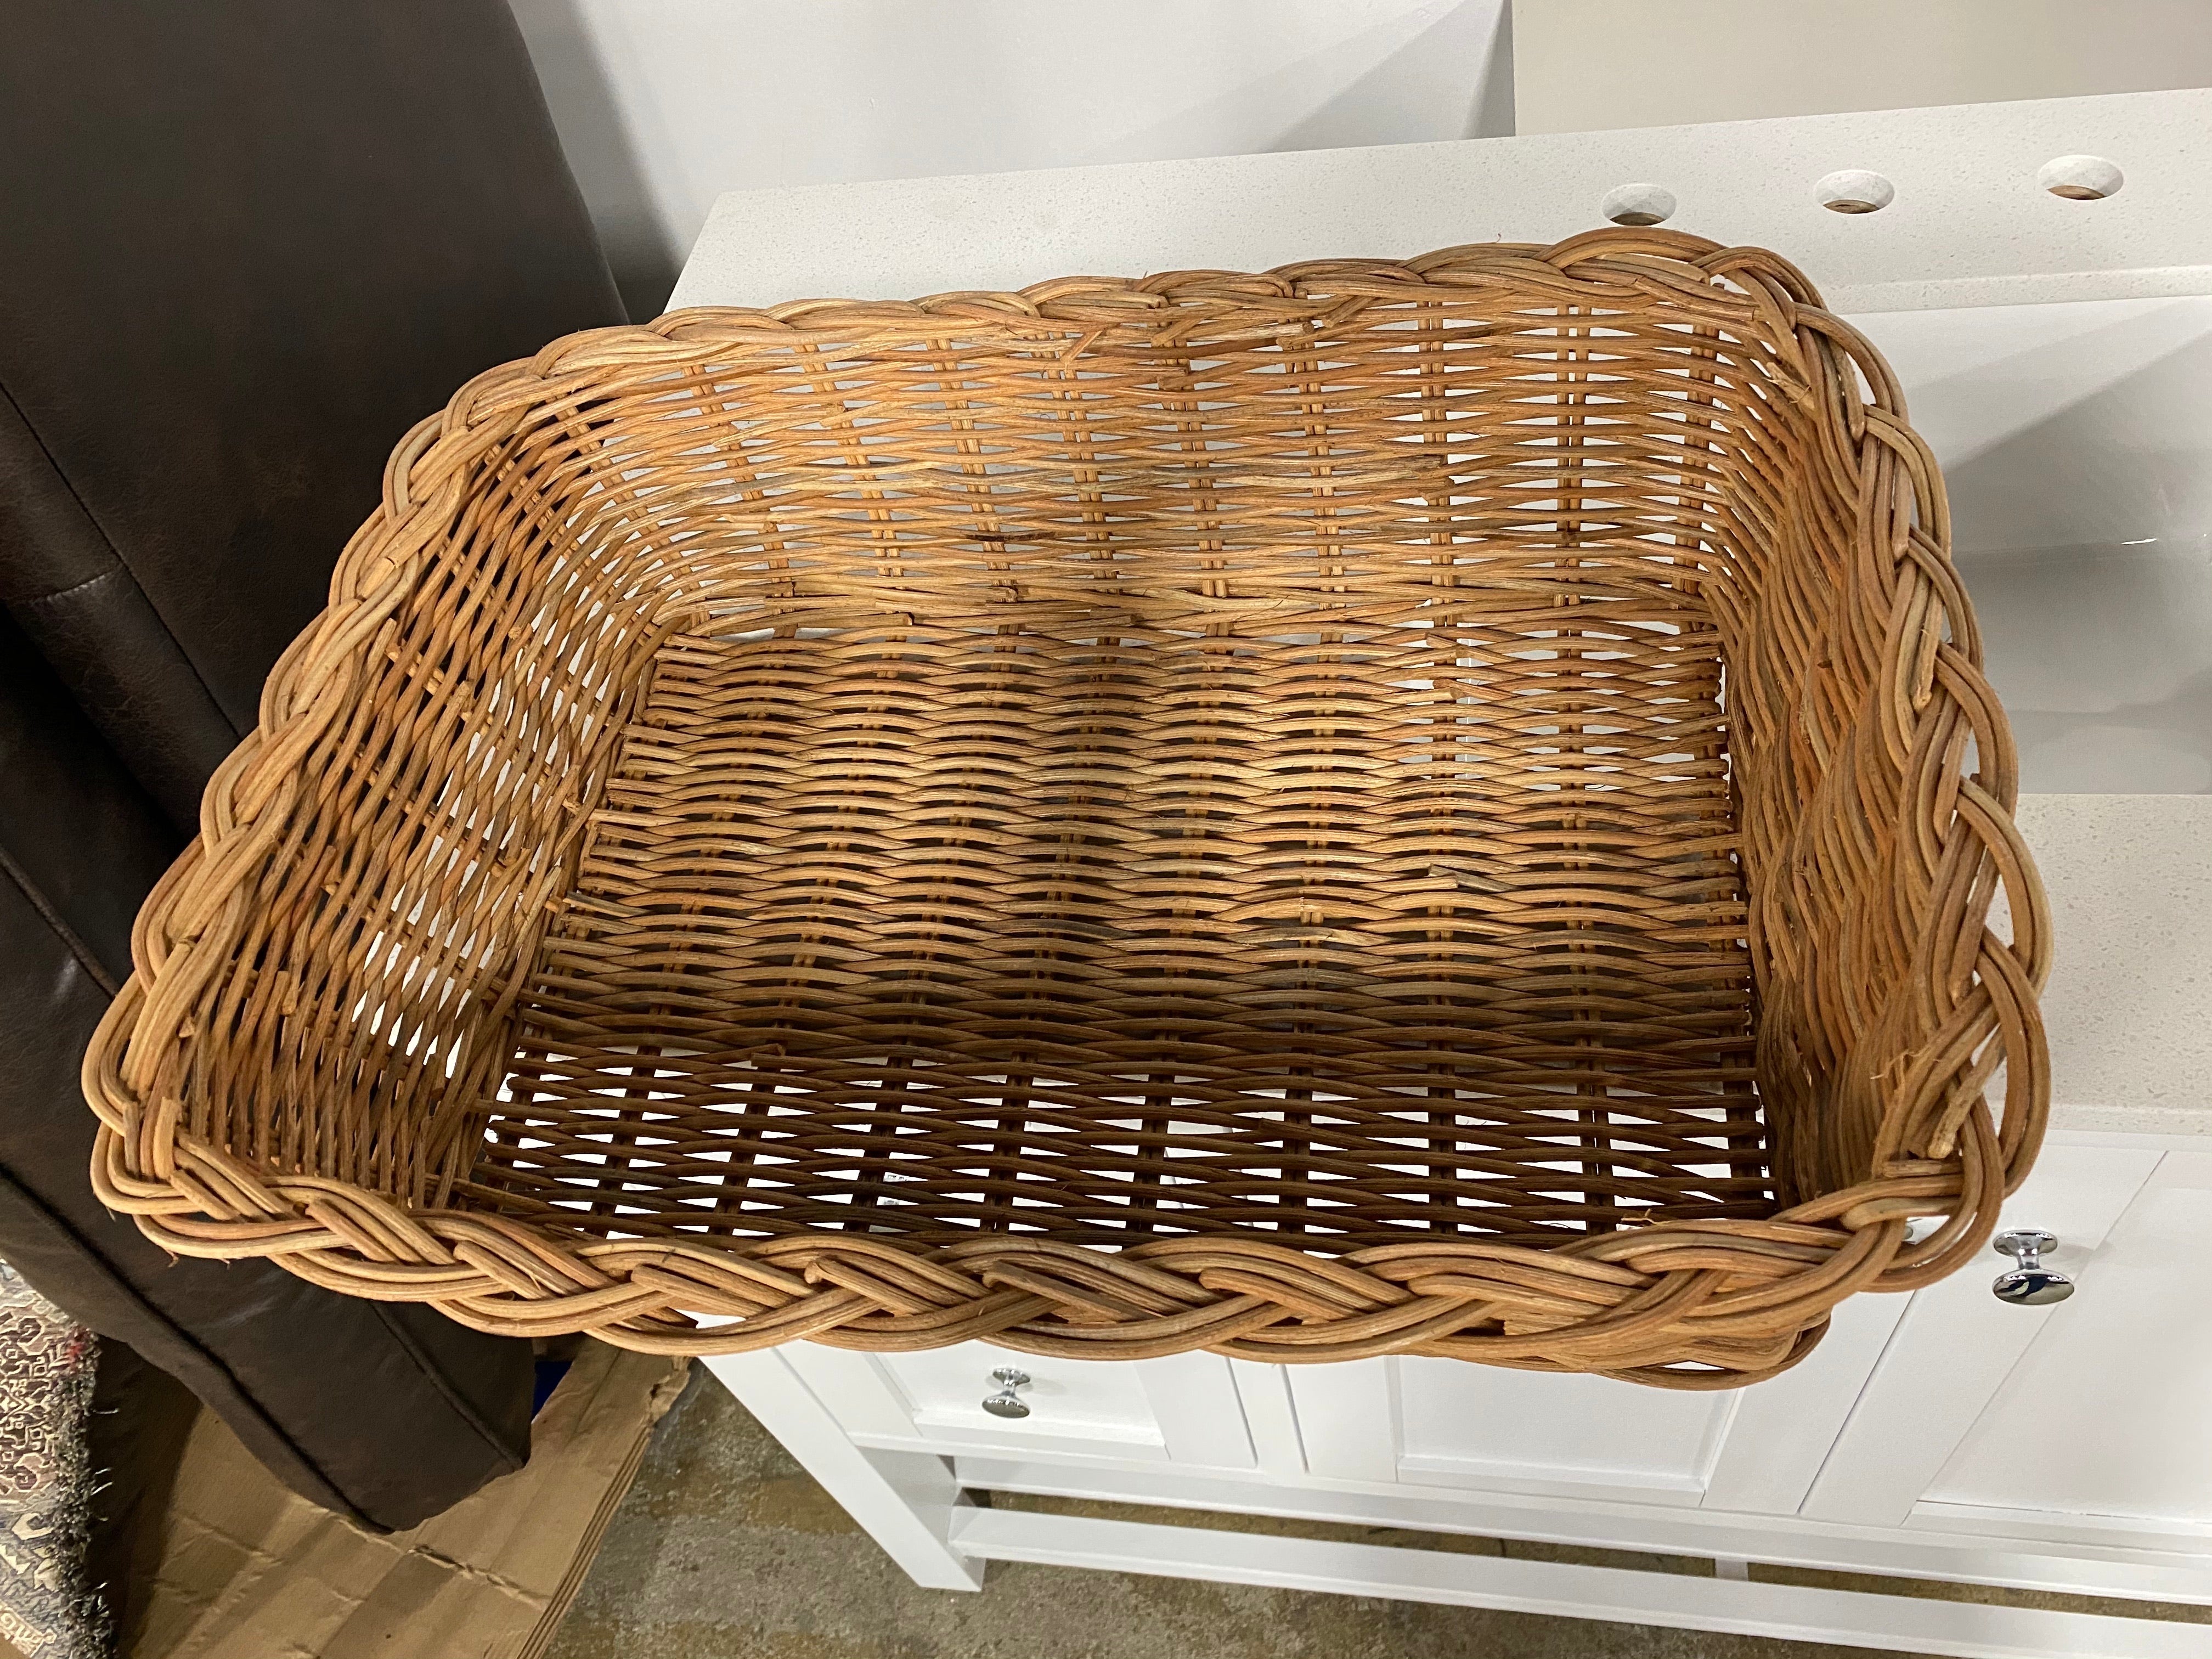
(1370, 808)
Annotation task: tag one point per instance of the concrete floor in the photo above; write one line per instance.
(725, 1549)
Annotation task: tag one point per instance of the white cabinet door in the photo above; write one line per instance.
(2107, 1421)
(1477, 1428)
(1982, 1403)
(2102, 1433)
(1183, 1409)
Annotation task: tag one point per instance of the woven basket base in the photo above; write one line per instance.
(1175, 928)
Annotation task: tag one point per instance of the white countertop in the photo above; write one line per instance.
(2129, 1007)
(1968, 227)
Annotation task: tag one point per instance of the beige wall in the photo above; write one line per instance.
(1581, 66)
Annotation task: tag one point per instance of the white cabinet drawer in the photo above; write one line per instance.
(1183, 1409)
(1068, 1399)
(1467, 1425)
(1470, 1428)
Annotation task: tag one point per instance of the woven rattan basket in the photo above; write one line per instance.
(1446, 807)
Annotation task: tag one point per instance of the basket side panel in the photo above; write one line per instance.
(414, 815)
(1876, 774)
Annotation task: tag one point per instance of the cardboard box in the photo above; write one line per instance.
(245, 1570)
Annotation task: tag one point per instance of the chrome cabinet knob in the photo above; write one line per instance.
(1007, 1402)
(2029, 1283)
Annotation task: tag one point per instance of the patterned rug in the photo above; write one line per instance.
(47, 1609)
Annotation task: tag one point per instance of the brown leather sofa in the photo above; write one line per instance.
(247, 244)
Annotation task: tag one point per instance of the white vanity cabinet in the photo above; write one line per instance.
(1948, 1409)
(2054, 353)
(1943, 1435)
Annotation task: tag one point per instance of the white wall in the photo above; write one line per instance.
(663, 105)
(1585, 65)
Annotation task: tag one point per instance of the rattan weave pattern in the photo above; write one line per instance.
(1425, 805)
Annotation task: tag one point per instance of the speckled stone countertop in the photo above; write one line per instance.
(2128, 1006)
(1967, 227)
